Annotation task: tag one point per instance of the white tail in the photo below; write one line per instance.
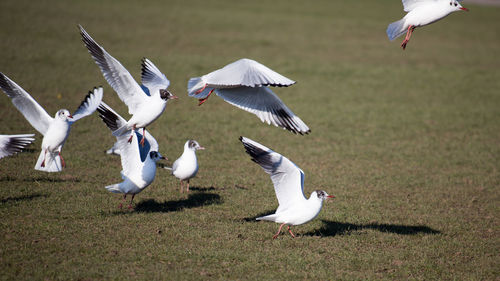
(267, 218)
(115, 188)
(396, 29)
(52, 162)
(196, 84)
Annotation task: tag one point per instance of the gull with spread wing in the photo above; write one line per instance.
(420, 13)
(54, 130)
(288, 179)
(138, 160)
(12, 144)
(243, 84)
(145, 102)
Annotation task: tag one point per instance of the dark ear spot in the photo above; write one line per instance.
(153, 154)
(164, 94)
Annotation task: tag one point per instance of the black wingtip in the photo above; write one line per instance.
(241, 138)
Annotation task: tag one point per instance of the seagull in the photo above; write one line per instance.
(243, 84)
(288, 180)
(420, 13)
(186, 166)
(145, 102)
(12, 144)
(55, 130)
(138, 161)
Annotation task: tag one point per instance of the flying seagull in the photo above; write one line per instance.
(420, 13)
(138, 160)
(243, 84)
(288, 179)
(146, 102)
(186, 166)
(12, 144)
(54, 130)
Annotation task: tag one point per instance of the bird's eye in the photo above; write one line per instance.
(456, 4)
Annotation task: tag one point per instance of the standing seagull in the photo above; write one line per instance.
(54, 130)
(288, 180)
(186, 166)
(138, 160)
(12, 144)
(420, 13)
(145, 102)
(243, 84)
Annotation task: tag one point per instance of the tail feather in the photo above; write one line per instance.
(52, 162)
(272, 217)
(115, 188)
(123, 130)
(195, 85)
(396, 29)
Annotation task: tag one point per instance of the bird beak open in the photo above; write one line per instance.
(465, 9)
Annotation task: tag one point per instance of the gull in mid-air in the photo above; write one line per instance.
(420, 13)
(243, 84)
(12, 144)
(138, 160)
(186, 166)
(145, 102)
(288, 179)
(54, 130)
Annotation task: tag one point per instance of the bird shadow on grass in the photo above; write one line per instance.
(202, 188)
(62, 178)
(332, 228)
(194, 200)
(22, 198)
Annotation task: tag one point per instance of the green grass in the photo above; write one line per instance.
(408, 141)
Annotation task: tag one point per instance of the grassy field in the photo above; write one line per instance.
(408, 142)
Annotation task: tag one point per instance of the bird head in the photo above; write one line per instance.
(156, 156)
(322, 195)
(64, 115)
(455, 6)
(166, 95)
(194, 145)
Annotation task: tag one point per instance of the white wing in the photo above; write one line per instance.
(288, 179)
(32, 111)
(11, 144)
(244, 72)
(262, 102)
(409, 5)
(117, 76)
(114, 121)
(130, 155)
(152, 77)
(89, 104)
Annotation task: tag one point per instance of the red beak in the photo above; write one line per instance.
(465, 9)
(70, 116)
(330, 196)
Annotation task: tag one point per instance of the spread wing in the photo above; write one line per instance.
(114, 121)
(262, 102)
(246, 72)
(89, 104)
(11, 144)
(288, 179)
(409, 5)
(32, 111)
(152, 77)
(117, 76)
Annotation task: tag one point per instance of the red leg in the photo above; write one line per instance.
(43, 162)
(279, 230)
(132, 134)
(408, 35)
(62, 160)
(201, 90)
(121, 203)
(203, 100)
(187, 189)
(130, 205)
(182, 189)
(290, 232)
(143, 136)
